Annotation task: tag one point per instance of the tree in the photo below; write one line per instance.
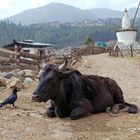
(89, 42)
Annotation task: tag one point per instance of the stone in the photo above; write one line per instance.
(8, 75)
(2, 81)
(20, 74)
(14, 82)
(28, 80)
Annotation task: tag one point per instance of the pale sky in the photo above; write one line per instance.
(12, 7)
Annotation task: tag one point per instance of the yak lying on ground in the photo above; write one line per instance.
(75, 95)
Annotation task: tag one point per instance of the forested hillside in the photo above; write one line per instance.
(61, 36)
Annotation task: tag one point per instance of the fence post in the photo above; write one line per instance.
(131, 50)
(17, 57)
(38, 54)
(117, 51)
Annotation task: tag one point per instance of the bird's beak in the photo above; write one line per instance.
(18, 89)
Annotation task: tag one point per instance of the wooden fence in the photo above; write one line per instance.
(125, 52)
(115, 53)
(10, 60)
(88, 50)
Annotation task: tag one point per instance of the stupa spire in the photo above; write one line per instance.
(125, 20)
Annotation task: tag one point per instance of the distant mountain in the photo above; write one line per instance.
(65, 13)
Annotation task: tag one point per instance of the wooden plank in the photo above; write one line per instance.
(8, 51)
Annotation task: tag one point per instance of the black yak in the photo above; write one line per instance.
(76, 95)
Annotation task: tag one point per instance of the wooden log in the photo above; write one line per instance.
(22, 54)
(32, 62)
(44, 56)
(4, 54)
(12, 67)
(27, 55)
(8, 51)
(4, 60)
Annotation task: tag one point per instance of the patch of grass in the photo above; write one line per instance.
(1, 88)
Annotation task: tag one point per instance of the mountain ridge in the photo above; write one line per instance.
(65, 13)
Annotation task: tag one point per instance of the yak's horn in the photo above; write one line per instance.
(63, 65)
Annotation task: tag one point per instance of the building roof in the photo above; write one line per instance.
(27, 44)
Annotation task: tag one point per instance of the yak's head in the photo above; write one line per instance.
(50, 82)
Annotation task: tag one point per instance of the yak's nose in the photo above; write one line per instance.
(35, 96)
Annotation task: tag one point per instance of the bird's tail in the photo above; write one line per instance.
(1, 105)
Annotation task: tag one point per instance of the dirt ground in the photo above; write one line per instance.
(26, 122)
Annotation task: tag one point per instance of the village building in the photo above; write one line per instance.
(31, 47)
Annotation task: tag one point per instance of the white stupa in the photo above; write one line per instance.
(126, 37)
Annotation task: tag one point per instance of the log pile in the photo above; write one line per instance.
(75, 55)
(59, 59)
(88, 51)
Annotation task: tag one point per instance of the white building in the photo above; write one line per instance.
(126, 37)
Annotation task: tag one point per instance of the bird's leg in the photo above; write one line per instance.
(14, 105)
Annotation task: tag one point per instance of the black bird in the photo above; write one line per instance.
(11, 99)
